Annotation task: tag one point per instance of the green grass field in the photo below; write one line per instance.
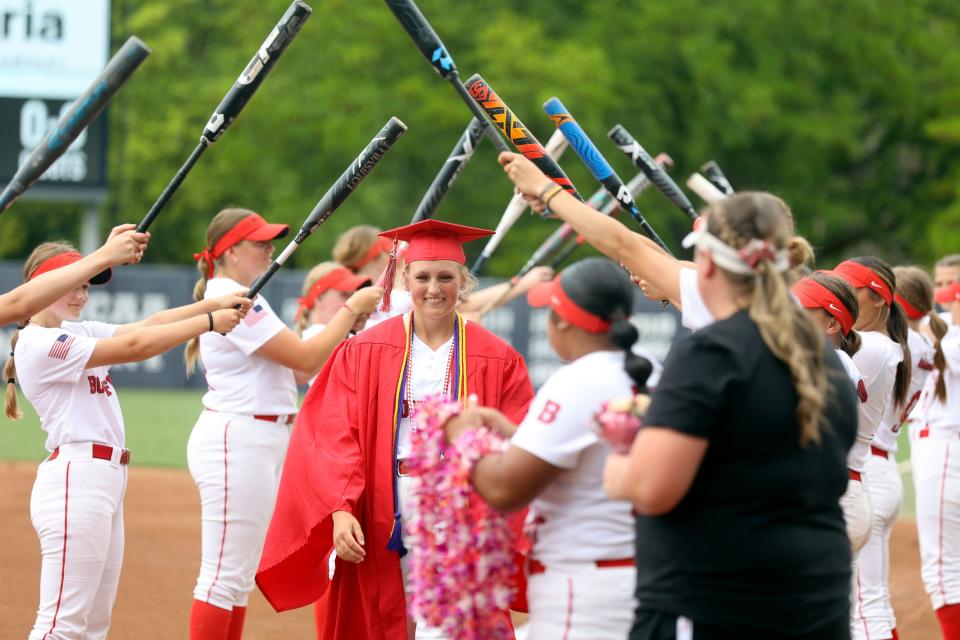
(158, 423)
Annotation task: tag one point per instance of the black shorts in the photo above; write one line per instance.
(659, 625)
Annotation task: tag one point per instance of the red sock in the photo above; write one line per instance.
(895, 636)
(236, 623)
(949, 617)
(208, 622)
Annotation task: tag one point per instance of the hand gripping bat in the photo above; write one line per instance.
(236, 98)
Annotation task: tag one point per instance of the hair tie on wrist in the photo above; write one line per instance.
(349, 308)
(11, 381)
(210, 318)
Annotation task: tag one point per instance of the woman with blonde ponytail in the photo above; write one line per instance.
(935, 458)
(238, 443)
(76, 506)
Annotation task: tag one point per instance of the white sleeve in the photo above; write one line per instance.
(258, 328)
(51, 357)
(557, 426)
(693, 313)
(91, 328)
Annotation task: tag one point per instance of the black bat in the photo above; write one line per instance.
(118, 70)
(711, 171)
(598, 165)
(236, 98)
(439, 57)
(452, 166)
(660, 178)
(335, 195)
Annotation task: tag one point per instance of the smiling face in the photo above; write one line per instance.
(246, 260)
(434, 286)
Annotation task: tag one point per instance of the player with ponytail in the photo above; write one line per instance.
(935, 458)
(583, 541)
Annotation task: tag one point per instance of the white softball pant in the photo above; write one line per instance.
(873, 617)
(77, 510)
(236, 462)
(935, 459)
(855, 503)
(580, 601)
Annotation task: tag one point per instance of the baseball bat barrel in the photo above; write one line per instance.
(236, 99)
(707, 191)
(511, 126)
(118, 70)
(437, 54)
(711, 171)
(598, 165)
(660, 178)
(256, 71)
(556, 145)
(335, 195)
(459, 157)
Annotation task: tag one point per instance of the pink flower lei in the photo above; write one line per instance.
(462, 549)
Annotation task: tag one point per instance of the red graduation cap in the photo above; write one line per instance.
(436, 240)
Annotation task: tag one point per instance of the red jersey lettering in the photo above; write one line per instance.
(549, 412)
(98, 386)
(862, 391)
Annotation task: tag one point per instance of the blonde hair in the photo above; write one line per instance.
(787, 331)
(354, 244)
(949, 260)
(223, 222)
(39, 255)
(916, 287)
(322, 269)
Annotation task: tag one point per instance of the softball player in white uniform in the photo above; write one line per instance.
(77, 502)
(935, 458)
(237, 447)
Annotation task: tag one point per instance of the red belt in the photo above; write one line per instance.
(100, 452)
(877, 451)
(535, 566)
(282, 419)
(403, 467)
(925, 432)
(855, 475)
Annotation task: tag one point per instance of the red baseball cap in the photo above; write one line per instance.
(551, 293)
(436, 240)
(253, 227)
(339, 279)
(62, 260)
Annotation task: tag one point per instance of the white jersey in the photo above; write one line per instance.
(943, 417)
(308, 333)
(850, 367)
(239, 380)
(75, 404)
(573, 520)
(921, 357)
(427, 377)
(693, 313)
(401, 302)
(877, 361)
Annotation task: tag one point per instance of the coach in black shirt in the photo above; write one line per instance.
(738, 472)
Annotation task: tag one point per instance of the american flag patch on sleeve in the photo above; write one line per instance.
(61, 347)
(255, 315)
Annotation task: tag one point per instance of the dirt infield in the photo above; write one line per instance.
(163, 553)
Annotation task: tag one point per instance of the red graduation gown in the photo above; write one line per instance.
(341, 458)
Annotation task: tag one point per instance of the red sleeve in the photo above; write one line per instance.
(517, 391)
(323, 473)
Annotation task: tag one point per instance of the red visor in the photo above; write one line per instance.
(253, 227)
(436, 240)
(382, 245)
(911, 310)
(946, 295)
(861, 277)
(813, 295)
(340, 279)
(552, 293)
(62, 260)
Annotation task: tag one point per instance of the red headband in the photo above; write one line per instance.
(552, 293)
(910, 310)
(382, 245)
(340, 279)
(253, 227)
(862, 277)
(813, 295)
(948, 294)
(64, 259)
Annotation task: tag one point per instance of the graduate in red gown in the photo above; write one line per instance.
(344, 479)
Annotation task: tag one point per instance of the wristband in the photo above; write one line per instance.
(210, 318)
(349, 308)
(546, 195)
